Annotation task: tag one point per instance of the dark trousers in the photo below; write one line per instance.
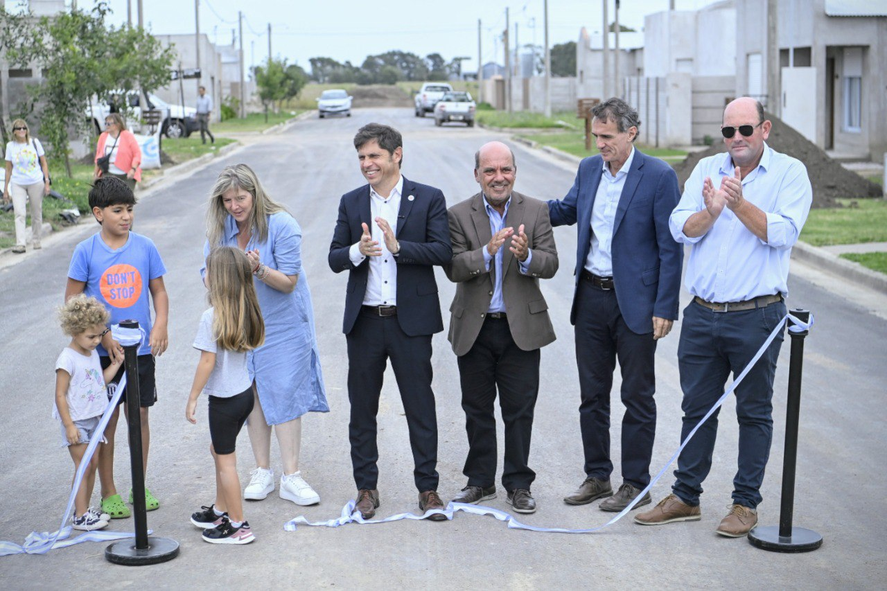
(371, 343)
(712, 345)
(601, 337)
(496, 362)
(203, 122)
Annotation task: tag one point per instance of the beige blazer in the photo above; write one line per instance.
(526, 308)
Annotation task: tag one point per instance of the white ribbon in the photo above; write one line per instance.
(349, 515)
(43, 542)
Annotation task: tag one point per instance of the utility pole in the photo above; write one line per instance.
(197, 37)
(547, 66)
(773, 92)
(269, 45)
(616, 91)
(480, 65)
(242, 80)
(128, 11)
(507, 64)
(141, 15)
(517, 68)
(605, 79)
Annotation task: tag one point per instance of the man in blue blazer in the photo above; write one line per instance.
(388, 236)
(628, 272)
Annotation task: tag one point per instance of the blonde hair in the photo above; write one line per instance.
(80, 313)
(239, 176)
(237, 319)
(118, 119)
(20, 123)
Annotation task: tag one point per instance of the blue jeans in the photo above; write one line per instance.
(714, 344)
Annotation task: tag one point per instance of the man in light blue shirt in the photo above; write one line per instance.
(742, 212)
(204, 112)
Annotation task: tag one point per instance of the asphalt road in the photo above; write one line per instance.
(840, 483)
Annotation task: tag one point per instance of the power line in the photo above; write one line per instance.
(218, 16)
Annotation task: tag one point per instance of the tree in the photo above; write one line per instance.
(622, 28)
(563, 59)
(17, 47)
(437, 67)
(295, 80)
(271, 82)
(322, 68)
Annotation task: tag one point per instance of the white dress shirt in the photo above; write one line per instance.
(382, 280)
(603, 217)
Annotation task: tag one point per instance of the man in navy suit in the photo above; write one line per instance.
(628, 272)
(389, 235)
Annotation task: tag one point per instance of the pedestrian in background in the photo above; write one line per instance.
(27, 178)
(117, 152)
(204, 112)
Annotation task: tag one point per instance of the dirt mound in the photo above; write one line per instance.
(380, 96)
(830, 180)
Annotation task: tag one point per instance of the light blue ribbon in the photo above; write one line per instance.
(349, 515)
(43, 542)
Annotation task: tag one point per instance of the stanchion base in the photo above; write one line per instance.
(768, 538)
(125, 552)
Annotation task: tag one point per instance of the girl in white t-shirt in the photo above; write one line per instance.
(81, 397)
(228, 330)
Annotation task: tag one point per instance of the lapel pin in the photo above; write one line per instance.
(410, 198)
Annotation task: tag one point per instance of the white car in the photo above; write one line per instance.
(334, 102)
(174, 122)
(428, 95)
(455, 106)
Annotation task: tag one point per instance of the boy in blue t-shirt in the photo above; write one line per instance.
(119, 267)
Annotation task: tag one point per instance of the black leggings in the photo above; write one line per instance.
(226, 419)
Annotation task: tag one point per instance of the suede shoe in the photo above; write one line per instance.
(590, 490)
(738, 522)
(521, 500)
(367, 502)
(623, 497)
(669, 510)
(475, 494)
(431, 500)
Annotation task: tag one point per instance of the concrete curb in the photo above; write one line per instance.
(843, 268)
(811, 255)
(289, 123)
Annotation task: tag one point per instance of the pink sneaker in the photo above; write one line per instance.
(225, 533)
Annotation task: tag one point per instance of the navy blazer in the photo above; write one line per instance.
(424, 236)
(646, 259)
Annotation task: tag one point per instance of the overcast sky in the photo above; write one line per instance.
(352, 29)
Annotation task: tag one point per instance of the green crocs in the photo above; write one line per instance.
(151, 503)
(114, 507)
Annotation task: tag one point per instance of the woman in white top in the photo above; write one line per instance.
(27, 178)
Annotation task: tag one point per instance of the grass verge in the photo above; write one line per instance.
(860, 220)
(183, 149)
(876, 261)
(527, 120)
(574, 143)
(252, 123)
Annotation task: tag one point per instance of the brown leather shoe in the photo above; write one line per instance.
(475, 494)
(590, 490)
(431, 500)
(521, 501)
(669, 510)
(367, 502)
(738, 522)
(623, 497)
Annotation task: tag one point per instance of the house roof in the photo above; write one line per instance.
(855, 8)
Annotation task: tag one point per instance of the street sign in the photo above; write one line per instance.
(187, 74)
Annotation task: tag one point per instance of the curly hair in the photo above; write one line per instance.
(80, 313)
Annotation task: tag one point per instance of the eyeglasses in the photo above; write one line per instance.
(110, 122)
(19, 129)
(745, 130)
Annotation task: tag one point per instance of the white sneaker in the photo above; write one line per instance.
(261, 483)
(294, 488)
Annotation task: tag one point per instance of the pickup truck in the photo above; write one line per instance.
(428, 95)
(455, 106)
(174, 122)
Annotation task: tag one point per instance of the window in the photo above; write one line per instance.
(852, 90)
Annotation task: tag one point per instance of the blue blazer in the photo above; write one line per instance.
(646, 259)
(424, 236)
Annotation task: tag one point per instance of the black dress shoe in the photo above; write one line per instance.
(590, 490)
(475, 494)
(625, 495)
(367, 502)
(521, 500)
(431, 500)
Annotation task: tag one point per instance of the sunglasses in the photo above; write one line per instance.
(745, 130)
(110, 122)
(19, 129)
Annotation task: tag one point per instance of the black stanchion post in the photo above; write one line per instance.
(787, 538)
(144, 550)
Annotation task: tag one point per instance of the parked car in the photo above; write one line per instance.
(174, 121)
(428, 95)
(455, 106)
(334, 102)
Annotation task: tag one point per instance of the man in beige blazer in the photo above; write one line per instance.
(502, 245)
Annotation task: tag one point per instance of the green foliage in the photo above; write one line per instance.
(563, 59)
(278, 82)
(230, 107)
(876, 261)
(857, 221)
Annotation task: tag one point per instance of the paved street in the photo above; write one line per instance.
(841, 466)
